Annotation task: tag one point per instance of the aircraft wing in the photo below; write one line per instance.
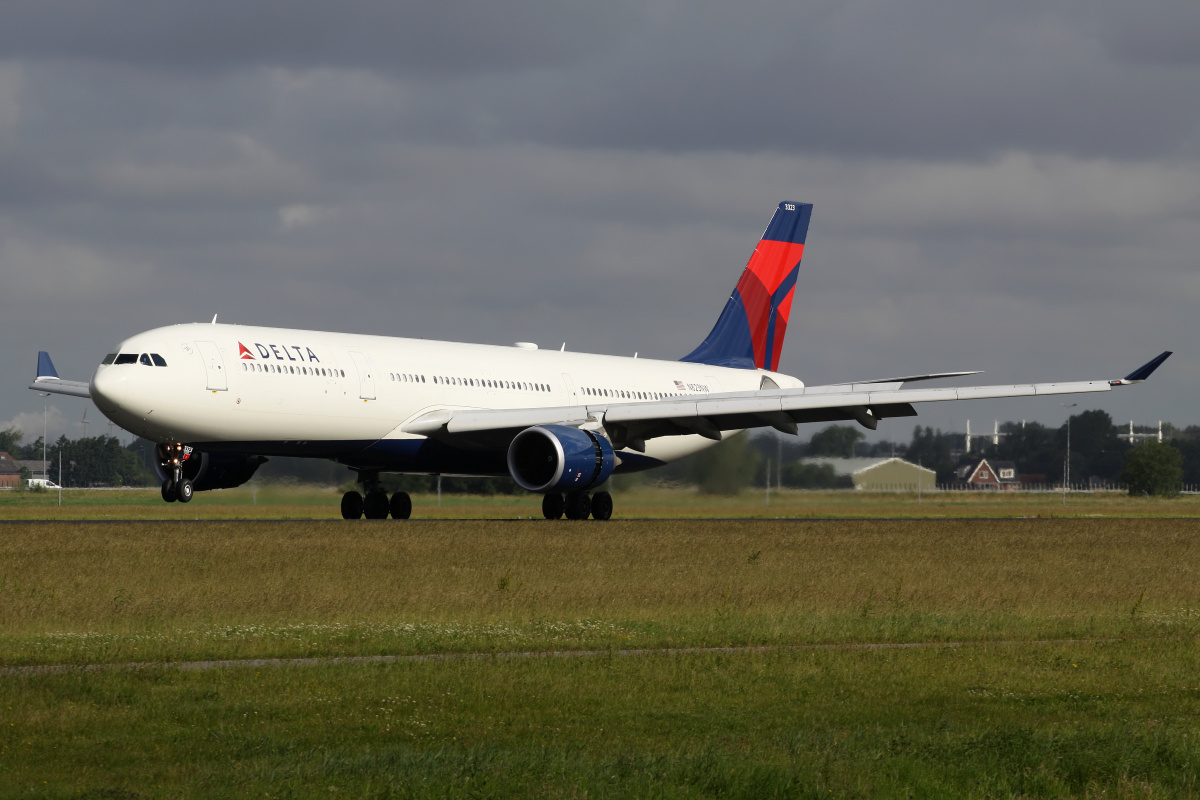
(631, 424)
(47, 380)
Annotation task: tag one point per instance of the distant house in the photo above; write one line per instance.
(985, 474)
(36, 467)
(10, 472)
(881, 474)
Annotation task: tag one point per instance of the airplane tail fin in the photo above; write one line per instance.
(749, 333)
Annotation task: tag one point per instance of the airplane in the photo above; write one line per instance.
(220, 399)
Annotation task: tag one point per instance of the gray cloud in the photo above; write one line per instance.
(450, 36)
(1010, 188)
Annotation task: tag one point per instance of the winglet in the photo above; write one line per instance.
(1141, 373)
(45, 366)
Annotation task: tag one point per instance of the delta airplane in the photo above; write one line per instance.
(220, 399)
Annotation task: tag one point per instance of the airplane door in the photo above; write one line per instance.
(571, 396)
(214, 365)
(366, 383)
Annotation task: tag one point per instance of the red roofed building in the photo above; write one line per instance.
(984, 474)
(10, 472)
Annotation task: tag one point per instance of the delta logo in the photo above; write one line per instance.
(277, 352)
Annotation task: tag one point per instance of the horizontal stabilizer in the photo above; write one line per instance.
(913, 378)
(48, 382)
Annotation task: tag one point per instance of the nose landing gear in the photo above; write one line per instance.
(175, 486)
(376, 504)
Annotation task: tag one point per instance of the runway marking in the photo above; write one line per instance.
(321, 661)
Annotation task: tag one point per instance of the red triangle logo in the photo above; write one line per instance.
(244, 352)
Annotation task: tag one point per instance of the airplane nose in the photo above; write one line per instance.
(108, 389)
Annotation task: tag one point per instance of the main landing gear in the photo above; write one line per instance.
(376, 504)
(577, 505)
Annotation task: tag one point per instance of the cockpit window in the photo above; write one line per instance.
(127, 358)
(110, 358)
(158, 360)
(145, 359)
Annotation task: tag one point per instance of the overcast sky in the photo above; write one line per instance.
(1012, 187)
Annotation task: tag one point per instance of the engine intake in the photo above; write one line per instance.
(558, 458)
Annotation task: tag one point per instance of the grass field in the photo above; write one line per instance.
(645, 502)
(1075, 672)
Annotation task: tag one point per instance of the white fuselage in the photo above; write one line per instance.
(278, 391)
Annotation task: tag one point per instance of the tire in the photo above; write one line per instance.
(375, 505)
(168, 491)
(579, 505)
(552, 506)
(184, 490)
(602, 505)
(400, 505)
(352, 505)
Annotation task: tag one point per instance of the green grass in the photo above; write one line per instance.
(1094, 720)
(1076, 676)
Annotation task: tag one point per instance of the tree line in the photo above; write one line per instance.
(87, 461)
(1096, 453)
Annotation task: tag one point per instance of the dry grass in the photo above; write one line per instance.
(646, 502)
(290, 588)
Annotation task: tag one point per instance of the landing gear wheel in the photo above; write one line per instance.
(183, 490)
(375, 506)
(401, 505)
(602, 505)
(552, 506)
(579, 505)
(168, 491)
(352, 505)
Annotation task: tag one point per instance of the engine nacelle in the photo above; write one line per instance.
(211, 470)
(558, 458)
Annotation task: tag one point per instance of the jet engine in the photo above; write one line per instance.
(558, 458)
(210, 470)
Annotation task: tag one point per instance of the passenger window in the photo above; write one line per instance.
(158, 360)
(110, 358)
(145, 359)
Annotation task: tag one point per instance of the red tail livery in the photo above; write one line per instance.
(749, 333)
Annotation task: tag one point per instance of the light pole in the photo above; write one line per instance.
(1067, 460)
(45, 468)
